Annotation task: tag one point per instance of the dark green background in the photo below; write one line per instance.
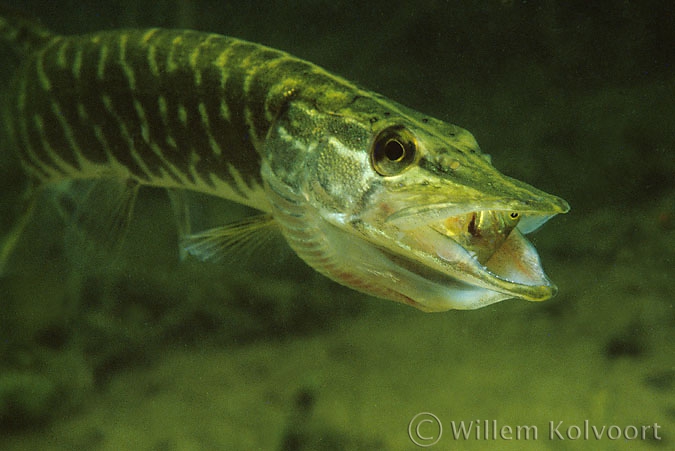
(575, 97)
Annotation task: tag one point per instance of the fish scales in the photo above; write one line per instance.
(372, 194)
(160, 106)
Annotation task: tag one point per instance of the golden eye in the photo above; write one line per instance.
(393, 151)
(513, 218)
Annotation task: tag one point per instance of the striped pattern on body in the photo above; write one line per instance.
(164, 107)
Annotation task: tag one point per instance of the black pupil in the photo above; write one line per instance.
(394, 150)
(514, 215)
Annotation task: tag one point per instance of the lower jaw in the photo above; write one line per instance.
(512, 271)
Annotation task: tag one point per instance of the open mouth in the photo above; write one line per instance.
(478, 254)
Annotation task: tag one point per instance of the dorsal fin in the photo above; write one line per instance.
(22, 34)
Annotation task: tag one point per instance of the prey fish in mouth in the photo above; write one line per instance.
(481, 233)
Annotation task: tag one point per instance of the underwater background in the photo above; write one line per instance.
(146, 352)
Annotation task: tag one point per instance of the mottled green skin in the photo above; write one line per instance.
(229, 92)
(173, 105)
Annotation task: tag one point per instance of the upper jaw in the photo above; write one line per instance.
(417, 212)
(425, 198)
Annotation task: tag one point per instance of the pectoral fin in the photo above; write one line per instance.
(221, 242)
(97, 216)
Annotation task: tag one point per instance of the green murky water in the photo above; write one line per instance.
(146, 352)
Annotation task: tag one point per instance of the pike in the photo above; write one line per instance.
(374, 195)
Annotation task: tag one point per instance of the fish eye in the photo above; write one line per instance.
(513, 218)
(393, 151)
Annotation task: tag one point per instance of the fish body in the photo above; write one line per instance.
(370, 193)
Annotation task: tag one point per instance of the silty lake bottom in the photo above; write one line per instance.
(141, 351)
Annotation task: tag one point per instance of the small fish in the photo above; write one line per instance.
(372, 194)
